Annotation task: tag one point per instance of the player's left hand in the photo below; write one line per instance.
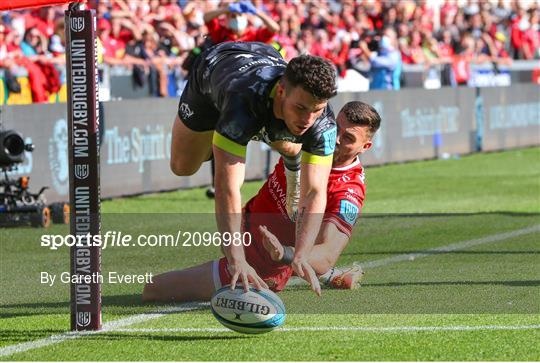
(271, 244)
(303, 269)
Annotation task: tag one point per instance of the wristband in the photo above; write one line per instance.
(288, 255)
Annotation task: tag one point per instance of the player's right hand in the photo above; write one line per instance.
(241, 270)
(303, 269)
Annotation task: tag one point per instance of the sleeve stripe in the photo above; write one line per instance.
(228, 145)
(340, 224)
(316, 159)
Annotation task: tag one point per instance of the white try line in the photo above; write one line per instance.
(119, 324)
(107, 327)
(392, 329)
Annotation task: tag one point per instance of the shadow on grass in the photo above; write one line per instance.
(18, 336)
(450, 214)
(532, 252)
(14, 336)
(112, 304)
(515, 283)
(168, 337)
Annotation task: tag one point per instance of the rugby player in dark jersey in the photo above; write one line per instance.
(273, 233)
(242, 91)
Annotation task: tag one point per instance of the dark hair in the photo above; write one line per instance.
(314, 74)
(360, 113)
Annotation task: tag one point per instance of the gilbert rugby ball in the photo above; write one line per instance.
(252, 312)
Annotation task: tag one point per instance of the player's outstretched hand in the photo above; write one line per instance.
(245, 273)
(271, 244)
(303, 269)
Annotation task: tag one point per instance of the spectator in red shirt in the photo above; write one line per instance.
(412, 52)
(446, 47)
(448, 10)
(235, 25)
(531, 36)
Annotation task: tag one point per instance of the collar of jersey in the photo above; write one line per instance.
(356, 162)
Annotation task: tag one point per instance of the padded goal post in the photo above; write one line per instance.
(84, 191)
(83, 150)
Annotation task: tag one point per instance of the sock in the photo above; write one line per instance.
(292, 163)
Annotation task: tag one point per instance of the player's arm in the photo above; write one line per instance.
(229, 177)
(313, 182)
(330, 243)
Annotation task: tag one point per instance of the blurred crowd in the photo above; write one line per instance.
(157, 38)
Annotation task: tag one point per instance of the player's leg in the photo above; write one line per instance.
(189, 149)
(192, 284)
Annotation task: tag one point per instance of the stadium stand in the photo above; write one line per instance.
(148, 40)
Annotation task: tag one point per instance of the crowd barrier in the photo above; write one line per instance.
(116, 83)
(417, 124)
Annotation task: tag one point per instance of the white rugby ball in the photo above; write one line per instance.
(252, 312)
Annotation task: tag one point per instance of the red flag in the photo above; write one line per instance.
(21, 4)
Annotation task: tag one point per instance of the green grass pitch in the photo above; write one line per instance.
(451, 251)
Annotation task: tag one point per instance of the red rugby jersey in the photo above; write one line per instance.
(345, 198)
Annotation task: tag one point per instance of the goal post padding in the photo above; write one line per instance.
(84, 191)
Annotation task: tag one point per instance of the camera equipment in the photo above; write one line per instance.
(12, 148)
(17, 204)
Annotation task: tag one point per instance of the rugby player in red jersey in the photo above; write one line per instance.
(265, 217)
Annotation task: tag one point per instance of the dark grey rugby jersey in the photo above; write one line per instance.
(236, 79)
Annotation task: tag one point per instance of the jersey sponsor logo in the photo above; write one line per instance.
(362, 177)
(262, 136)
(329, 137)
(277, 191)
(185, 111)
(244, 56)
(256, 62)
(351, 194)
(348, 211)
(344, 178)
